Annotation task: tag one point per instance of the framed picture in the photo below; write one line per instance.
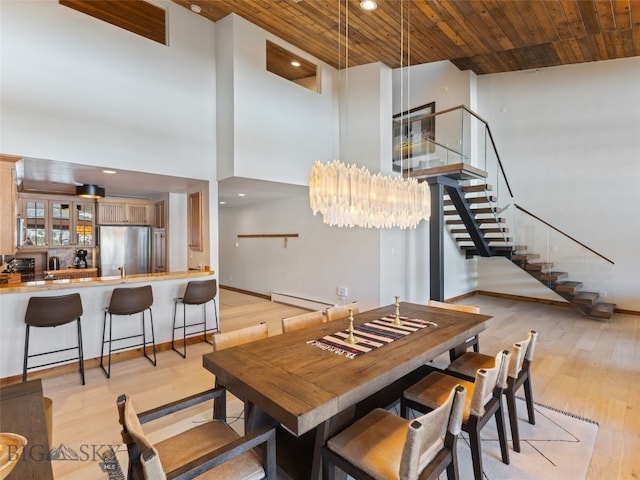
(412, 132)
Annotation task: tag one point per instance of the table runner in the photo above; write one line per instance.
(369, 336)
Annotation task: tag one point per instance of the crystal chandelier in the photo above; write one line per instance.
(350, 196)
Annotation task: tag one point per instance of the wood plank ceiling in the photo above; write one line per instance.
(485, 36)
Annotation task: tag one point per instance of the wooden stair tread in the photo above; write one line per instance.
(603, 310)
(569, 287)
(481, 187)
(480, 221)
(474, 200)
(552, 276)
(494, 230)
(587, 298)
(525, 256)
(538, 266)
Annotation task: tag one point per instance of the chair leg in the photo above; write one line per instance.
(173, 331)
(106, 371)
(513, 417)
(153, 339)
(528, 395)
(26, 355)
(502, 433)
(80, 351)
(476, 450)
(452, 469)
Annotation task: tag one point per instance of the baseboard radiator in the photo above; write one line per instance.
(307, 303)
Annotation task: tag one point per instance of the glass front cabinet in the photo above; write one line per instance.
(56, 222)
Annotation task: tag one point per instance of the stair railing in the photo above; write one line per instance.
(460, 136)
(581, 263)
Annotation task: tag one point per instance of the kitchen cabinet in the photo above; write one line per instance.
(53, 221)
(8, 196)
(124, 211)
(194, 219)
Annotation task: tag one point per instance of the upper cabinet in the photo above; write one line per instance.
(124, 211)
(51, 221)
(8, 194)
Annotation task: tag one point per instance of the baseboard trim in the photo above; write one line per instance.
(246, 292)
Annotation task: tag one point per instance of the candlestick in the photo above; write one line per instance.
(351, 338)
(396, 319)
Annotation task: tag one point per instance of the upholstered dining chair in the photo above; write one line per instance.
(341, 311)
(382, 445)
(233, 338)
(210, 450)
(519, 374)
(483, 401)
(297, 322)
(469, 342)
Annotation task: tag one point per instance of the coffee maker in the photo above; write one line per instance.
(81, 259)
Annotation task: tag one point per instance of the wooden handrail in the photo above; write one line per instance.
(561, 232)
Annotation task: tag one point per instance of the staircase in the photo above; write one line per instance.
(473, 218)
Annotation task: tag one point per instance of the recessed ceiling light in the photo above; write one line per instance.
(109, 172)
(223, 203)
(295, 64)
(368, 5)
(196, 8)
(242, 194)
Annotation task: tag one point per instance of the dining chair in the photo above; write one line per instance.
(469, 342)
(297, 322)
(341, 311)
(382, 445)
(210, 450)
(233, 338)
(483, 401)
(519, 374)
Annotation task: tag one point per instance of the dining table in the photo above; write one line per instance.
(312, 387)
(22, 412)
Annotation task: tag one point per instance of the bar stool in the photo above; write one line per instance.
(128, 301)
(196, 293)
(53, 312)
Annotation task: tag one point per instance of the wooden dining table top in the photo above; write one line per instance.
(22, 412)
(301, 385)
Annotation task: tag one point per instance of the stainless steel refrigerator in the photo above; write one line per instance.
(124, 245)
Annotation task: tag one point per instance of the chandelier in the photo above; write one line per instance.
(350, 196)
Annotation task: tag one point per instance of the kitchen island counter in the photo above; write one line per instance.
(51, 285)
(95, 294)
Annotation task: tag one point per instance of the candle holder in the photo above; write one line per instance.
(396, 317)
(351, 338)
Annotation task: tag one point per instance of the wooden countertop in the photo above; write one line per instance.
(50, 285)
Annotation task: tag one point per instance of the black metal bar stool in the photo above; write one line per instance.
(196, 293)
(128, 301)
(53, 312)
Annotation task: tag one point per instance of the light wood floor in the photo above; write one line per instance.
(587, 367)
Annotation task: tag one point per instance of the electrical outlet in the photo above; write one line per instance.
(343, 291)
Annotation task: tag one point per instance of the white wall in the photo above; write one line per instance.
(443, 83)
(279, 128)
(568, 138)
(311, 266)
(79, 90)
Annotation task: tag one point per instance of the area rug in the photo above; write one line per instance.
(559, 446)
